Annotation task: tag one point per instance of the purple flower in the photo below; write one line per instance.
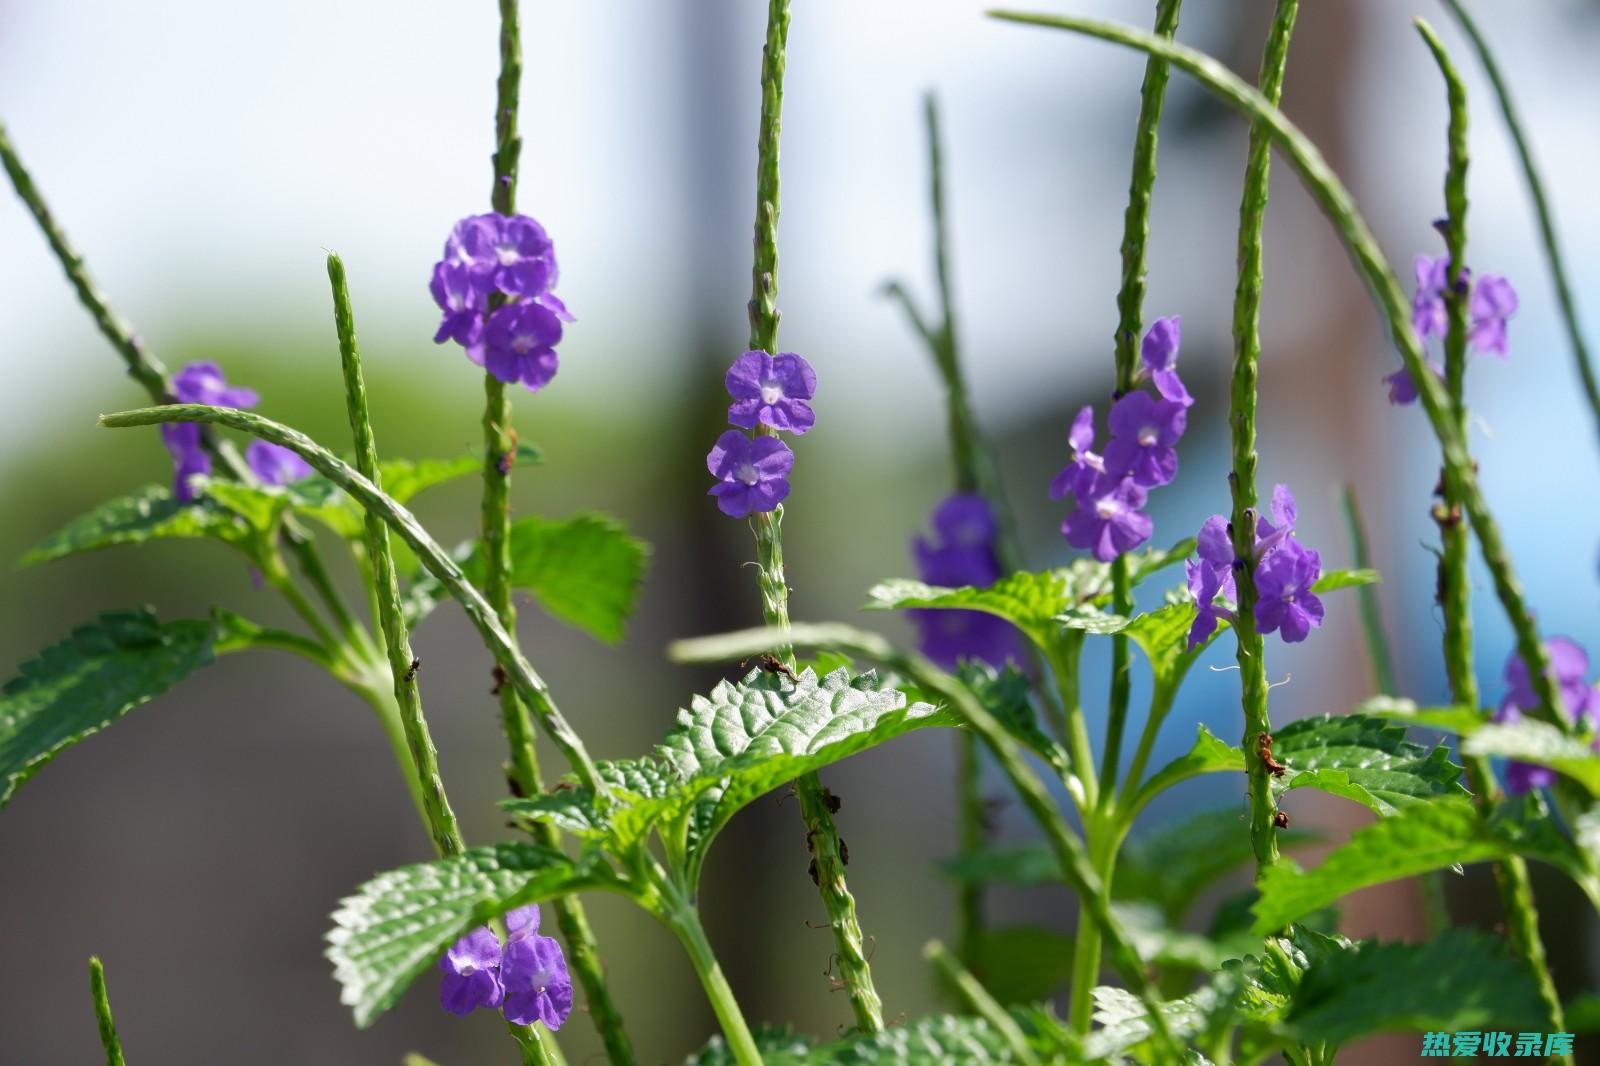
(753, 473)
(1108, 520)
(962, 554)
(1403, 388)
(519, 344)
(1285, 601)
(1210, 576)
(275, 465)
(533, 972)
(1079, 474)
(1428, 315)
(1160, 353)
(772, 390)
(1569, 664)
(203, 383)
(1493, 301)
(1143, 432)
(463, 296)
(1213, 543)
(511, 253)
(471, 973)
(1270, 534)
(197, 383)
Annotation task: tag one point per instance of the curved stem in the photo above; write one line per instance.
(1340, 209)
(684, 922)
(441, 819)
(1242, 424)
(815, 806)
(980, 1001)
(1377, 639)
(433, 557)
(1541, 207)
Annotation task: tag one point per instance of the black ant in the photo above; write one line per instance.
(501, 680)
(411, 674)
(1281, 819)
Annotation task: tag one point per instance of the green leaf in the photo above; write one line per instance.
(1124, 1023)
(1416, 839)
(779, 1046)
(1008, 695)
(1162, 944)
(585, 570)
(1539, 742)
(318, 498)
(1022, 963)
(1208, 756)
(1172, 865)
(568, 808)
(1460, 980)
(149, 514)
(1334, 580)
(76, 688)
(398, 924)
(1091, 619)
(1029, 601)
(1364, 759)
(1163, 635)
(1453, 719)
(1035, 864)
(925, 1042)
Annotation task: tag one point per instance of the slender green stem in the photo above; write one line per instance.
(102, 1014)
(522, 772)
(815, 807)
(684, 922)
(1076, 867)
(378, 692)
(1087, 941)
(1242, 423)
(442, 825)
(980, 1001)
(1161, 698)
(1455, 589)
(1372, 628)
(969, 840)
(1541, 206)
(151, 375)
(1337, 204)
(1130, 320)
(434, 558)
(1064, 657)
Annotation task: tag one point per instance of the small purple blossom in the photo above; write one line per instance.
(519, 344)
(511, 253)
(200, 382)
(189, 458)
(1209, 576)
(1493, 301)
(533, 972)
(963, 554)
(471, 973)
(772, 390)
(1285, 602)
(463, 295)
(203, 383)
(1283, 512)
(1428, 315)
(1108, 520)
(1580, 703)
(1079, 474)
(1403, 387)
(1143, 432)
(274, 464)
(1159, 351)
(752, 473)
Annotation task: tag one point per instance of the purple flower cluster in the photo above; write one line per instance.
(1285, 572)
(526, 977)
(1490, 301)
(1109, 490)
(1580, 702)
(768, 390)
(962, 553)
(512, 258)
(203, 383)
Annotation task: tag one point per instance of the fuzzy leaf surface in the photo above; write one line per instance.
(76, 688)
(1364, 759)
(152, 513)
(1539, 742)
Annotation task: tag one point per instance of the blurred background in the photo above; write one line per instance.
(203, 157)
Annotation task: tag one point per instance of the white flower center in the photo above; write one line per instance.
(1148, 435)
(771, 392)
(747, 473)
(507, 255)
(522, 343)
(1107, 508)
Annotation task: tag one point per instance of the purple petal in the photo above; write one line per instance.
(1160, 347)
(1170, 386)
(1213, 544)
(1283, 508)
(729, 450)
(1081, 435)
(275, 465)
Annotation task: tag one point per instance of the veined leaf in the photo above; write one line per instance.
(1366, 760)
(1539, 742)
(76, 688)
(1334, 580)
(1162, 944)
(1008, 695)
(926, 1041)
(779, 1046)
(1416, 839)
(1171, 865)
(398, 924)
(1460, 980)
(1208, 756)
(318, 498)
(1163, 635)
(148, 514)
(1463, 721)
